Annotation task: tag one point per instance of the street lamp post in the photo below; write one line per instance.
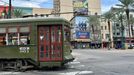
(9, 11)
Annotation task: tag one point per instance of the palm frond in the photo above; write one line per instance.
(18, 13)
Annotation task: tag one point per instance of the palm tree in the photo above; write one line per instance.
(132, 24)
(118, 17)
(108, 16)
(17, 13)
(125, 5)
(95, 28)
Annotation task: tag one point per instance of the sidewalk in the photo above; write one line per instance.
(102, 49)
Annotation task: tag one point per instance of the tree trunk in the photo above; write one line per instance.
(129, 27)
(122, 30)
(109, 34)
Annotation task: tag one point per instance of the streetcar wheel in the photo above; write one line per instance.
(18, 65)
(1, 66)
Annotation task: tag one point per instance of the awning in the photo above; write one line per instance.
(83, 40)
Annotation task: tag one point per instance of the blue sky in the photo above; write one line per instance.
(106, 4)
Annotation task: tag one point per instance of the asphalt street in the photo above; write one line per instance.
(107, 62)
(91, 62)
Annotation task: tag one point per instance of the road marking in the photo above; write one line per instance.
(85, 73)
(9, 73)
(69, 73)
(81, 65)
(76, 62)
(78, 73)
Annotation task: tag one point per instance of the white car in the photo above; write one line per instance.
(130, 47)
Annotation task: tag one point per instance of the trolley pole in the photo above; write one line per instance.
(9, 11)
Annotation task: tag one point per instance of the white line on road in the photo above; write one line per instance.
(9, 73)
(85, 73)
(78, 73)
(70, 73)
(76, 62)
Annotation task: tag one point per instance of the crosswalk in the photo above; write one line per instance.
(77, 65)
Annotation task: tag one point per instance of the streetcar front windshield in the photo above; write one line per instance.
(67, 34)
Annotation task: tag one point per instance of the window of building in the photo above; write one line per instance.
(107, 36)
(105, 27)
(96, 13)
(101, 27)
(118, 33)
(102, 36)
(114, 33)
(117, 25)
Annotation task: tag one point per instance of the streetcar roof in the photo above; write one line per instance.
(33, 19)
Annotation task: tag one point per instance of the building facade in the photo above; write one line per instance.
(23, 11)
(41, 11)
(61, 6)
(105, 34)
(4, 11)
(78, 12)
(123, 36)
(94, 6)
(64, 7)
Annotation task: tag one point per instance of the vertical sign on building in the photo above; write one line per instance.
(81, 7)
(82, 27)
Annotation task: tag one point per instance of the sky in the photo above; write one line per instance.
(105, 4)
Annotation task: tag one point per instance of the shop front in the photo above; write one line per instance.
(119, 42)
(81, 43)
(95, 45)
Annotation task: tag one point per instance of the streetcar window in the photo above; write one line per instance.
(2, 39)
(12, 39)
(14, 36)
(2, 30)
(2, 36)
(67, 36)
(24, 29)
(59, 34)
(53, 35)
(24, 39)
(12, 30)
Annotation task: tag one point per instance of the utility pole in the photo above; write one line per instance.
(9, 10)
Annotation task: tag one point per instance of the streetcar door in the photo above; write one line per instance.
(44, 43)
(56, 43)
(50, 43)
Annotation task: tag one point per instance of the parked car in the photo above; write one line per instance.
(131, 46)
